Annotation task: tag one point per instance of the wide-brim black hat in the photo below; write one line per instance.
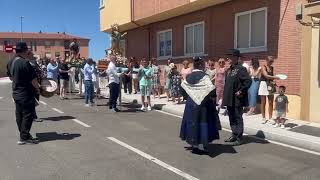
(21, 46)
(234, 52)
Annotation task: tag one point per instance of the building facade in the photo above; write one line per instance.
(47, 45)
(181, 29)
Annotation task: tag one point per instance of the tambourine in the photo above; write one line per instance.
(48, 88)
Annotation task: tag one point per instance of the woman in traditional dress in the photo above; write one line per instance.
(175, 78)
(200, 124)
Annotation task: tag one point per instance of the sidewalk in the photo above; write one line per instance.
(297, 133)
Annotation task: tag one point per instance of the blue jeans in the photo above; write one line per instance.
(253, 93)
(88, 87)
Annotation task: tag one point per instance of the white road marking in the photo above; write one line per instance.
(81, 123)
(153, 159)
(1, 97)
(273, 142)
(57, 110)
(44, 103)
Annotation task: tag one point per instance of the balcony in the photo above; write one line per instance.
(131, 14)
(312, 8)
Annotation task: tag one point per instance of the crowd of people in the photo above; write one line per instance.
(209, 86)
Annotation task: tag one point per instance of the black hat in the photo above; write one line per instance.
(234, 52)
(197, 59)
(21, 47)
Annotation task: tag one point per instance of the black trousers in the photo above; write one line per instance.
(114, 94)
(127, 84)
(24, 116)
(236, 121)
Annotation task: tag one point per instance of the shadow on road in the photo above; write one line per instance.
(54, 136)
(58, 118)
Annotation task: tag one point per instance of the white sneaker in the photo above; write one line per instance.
(143, 108)
(276, 125)
(264, 121)
(149, 108)
(87, 105)
(282, 126)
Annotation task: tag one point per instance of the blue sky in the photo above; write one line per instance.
(77, 17)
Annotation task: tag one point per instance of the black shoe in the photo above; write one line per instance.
(38, 120)
(231, 139)
(28, 141)
(198, 151)
(238, 142)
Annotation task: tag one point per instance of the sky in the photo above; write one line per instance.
(76, 17)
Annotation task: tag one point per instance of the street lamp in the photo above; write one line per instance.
(21, 18)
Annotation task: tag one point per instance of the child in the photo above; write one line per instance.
(175, 78)
(281, 107)
(145, 74)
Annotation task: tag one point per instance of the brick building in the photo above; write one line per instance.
(45, 44)
(181, 29)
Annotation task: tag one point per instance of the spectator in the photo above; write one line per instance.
(53, 69)
(64, 78)
(135, 78)
(145, 75)
(267, 88)
(167, 86)
(127, 78)
(219, 81)
(255, 73)
(88, 71)
(211, 70)
(281, 107)
(156, 78)
(186, 70)
(175, 78)
(96, 79)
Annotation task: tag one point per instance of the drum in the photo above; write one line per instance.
(48, 88)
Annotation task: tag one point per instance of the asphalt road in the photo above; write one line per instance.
(80, 143)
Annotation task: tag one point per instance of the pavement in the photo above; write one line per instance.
(91, 143)
(301, 134)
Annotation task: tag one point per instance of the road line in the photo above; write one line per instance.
(1, 97)
(270, 141)
(81, 123)
(57, 110)
(153, 159)
(44, 103)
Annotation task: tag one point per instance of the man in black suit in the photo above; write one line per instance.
(235, 96)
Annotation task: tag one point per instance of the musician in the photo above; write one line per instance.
(39, 74)
(24, 88)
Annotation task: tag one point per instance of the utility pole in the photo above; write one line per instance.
(21, 18)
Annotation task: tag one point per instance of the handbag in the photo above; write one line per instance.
(271, 87)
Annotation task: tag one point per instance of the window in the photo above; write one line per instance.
(194, 38)
(57, 43)
(164, 43)
(251, 31)
(47, 44)
(102, 3)
(6, 42)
